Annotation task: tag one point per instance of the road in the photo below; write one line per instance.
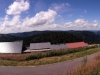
(52, 69)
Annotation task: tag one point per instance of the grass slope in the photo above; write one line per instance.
(87, 68)
(19, 60)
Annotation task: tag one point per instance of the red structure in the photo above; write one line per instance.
(76, 45)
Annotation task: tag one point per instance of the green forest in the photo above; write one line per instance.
(55, 37)
(64, 37)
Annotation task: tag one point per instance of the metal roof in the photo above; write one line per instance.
(76, 45)
(45, 45)
(58, 46)
(10, 47)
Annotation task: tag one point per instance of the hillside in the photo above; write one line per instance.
(98, 32)
(87, 36)
(55, 37)
(27, 34)
(8, 38)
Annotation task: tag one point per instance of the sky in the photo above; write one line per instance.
(31, 15)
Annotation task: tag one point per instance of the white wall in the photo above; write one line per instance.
(10, 47)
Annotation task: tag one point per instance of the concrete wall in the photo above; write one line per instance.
(10, 47)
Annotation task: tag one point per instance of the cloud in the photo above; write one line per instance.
(6, 18)
(16, 24)
(78, 24)
(41, 18)
(42, 23)
(10, 25)
(18, 7)
(58, 7)
(82, 23)
(15, 21)
(95, 21)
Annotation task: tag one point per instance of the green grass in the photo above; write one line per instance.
(39, 55)
(44, 57)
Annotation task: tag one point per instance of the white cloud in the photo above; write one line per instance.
(10, 25)
(41, 18)
(80, 21)
(6, 18)
(58, 7)
(12, 22)
(29, 24)
(78, 24)
(18, 7)
(95, 21)
(16, 24)
(82, 24)
(44, 20)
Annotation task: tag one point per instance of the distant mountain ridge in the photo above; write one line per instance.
(8, 38)
(87, 36)
(98, 32)
(66, 36)
(26, 34)
(52, 36)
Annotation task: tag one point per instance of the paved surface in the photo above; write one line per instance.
(52, 69)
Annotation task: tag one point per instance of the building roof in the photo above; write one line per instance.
(76, 45)
(58, 46)
(45, 45)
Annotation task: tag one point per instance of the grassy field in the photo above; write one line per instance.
(44, 57)
(87, 68)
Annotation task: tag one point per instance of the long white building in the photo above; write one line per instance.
(48, 45)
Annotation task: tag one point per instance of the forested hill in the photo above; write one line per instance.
(27, 34)
(9, 38)
(87, 36)
(56, 37)
(53, 37)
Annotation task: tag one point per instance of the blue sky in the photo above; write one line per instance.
(30, 15)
